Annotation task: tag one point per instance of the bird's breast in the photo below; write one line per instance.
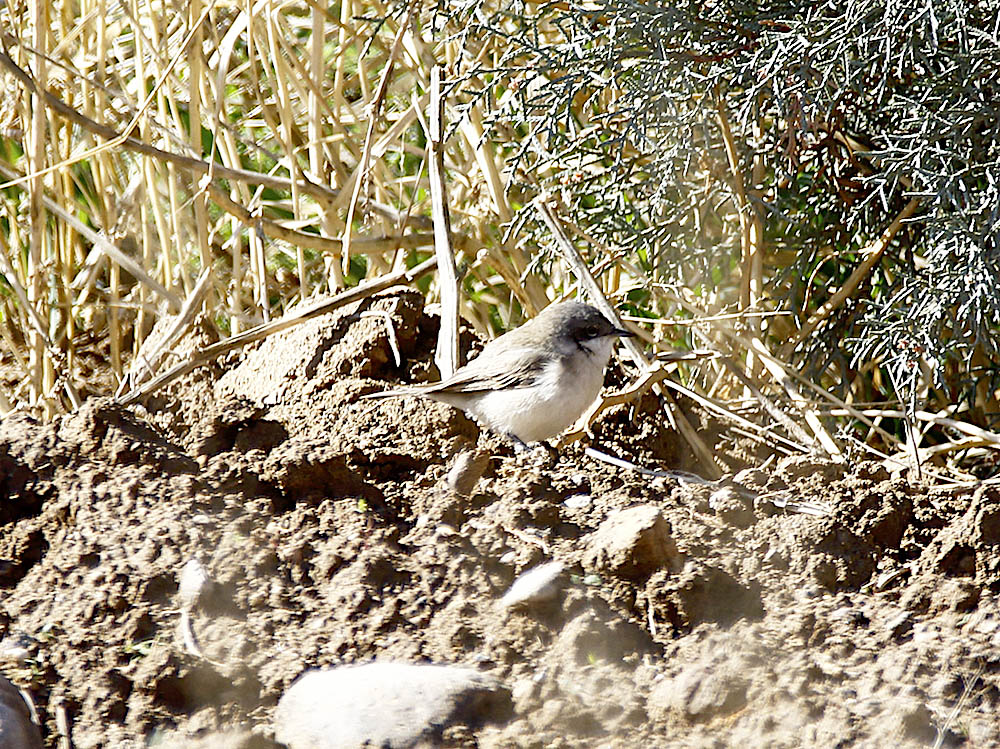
(563, 390)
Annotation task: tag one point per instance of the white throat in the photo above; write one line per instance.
(599, 348)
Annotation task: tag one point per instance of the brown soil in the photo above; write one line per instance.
(329, 539)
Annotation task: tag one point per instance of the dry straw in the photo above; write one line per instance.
(234, 160)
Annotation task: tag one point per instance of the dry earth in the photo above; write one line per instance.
(707, 615)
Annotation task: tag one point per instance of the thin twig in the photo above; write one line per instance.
(63, 726)
(763, 434)
(529, 539)
(776, 413)
(373, 112)
(145, 365)
(972, 430)
(683, 477)
(751, 225)
(970, 684)
(946, 480)
(276, 230)
(783, 375)
(778, 371)
(872, 253)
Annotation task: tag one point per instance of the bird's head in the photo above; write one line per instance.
(580, 327)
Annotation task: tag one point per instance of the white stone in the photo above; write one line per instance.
(541, 583)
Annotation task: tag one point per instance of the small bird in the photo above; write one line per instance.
(534, 381)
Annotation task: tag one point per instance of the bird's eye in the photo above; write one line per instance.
(592, 331)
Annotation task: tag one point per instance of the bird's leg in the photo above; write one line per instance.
(520, 446)
(538, 451)
(537, 455)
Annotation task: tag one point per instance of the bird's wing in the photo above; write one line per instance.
(512, 368)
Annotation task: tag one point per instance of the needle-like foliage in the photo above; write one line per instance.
(839, 115)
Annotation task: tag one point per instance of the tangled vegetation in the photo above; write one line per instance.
(809, 189)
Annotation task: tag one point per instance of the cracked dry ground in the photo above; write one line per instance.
(321, 521)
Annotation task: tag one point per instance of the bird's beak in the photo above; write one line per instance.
(622, 333)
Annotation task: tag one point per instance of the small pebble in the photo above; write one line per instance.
(385, 704)
(466, 471)
(16, 648)
(542, 583)
(193, 580)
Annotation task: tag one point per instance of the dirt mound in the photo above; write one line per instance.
(688, 614)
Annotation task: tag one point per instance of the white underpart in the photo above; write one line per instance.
(564, 391)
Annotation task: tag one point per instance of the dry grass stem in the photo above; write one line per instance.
(372, 113)
(446, 355)
(145, 365)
